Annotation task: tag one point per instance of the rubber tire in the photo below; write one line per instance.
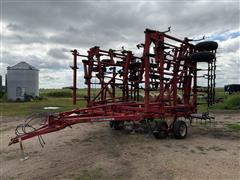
(206, 46)
(116, 125)
(176, 129)
(203, 56)
(160, 131)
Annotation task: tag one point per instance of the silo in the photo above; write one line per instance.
(22, 79)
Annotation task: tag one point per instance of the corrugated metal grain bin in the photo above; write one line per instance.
(22, 80)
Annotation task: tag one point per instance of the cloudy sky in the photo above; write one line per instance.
(42, 32)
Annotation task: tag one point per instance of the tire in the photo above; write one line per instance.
(116, 125)
(160, 131)
(202, 57)
(206, 46)
(180, 129)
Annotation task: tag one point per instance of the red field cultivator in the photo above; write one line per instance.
(158, 89)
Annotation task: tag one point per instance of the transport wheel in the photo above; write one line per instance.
(180, 129)
(202, 56)
(206, 46)
(116, 125)
(160, 131)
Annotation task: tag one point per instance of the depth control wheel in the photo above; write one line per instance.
(180, 129)
(206, 46)
(204, 56)
(160, 131)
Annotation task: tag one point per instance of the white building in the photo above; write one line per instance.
(22, 79)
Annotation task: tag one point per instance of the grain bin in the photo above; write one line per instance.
(22, 80)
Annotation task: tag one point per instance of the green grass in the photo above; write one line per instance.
(230, 102)
(26, 108)
(50, 97)
(235, 126)
(227, 102)
(62, 98)
(61, 93)
(90, 174)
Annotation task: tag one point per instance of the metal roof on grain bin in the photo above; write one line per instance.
(22, 66)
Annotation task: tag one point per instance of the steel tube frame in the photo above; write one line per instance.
(165, 73)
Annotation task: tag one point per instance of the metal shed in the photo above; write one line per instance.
(22, 80)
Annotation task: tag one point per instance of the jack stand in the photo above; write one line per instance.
(23, 155)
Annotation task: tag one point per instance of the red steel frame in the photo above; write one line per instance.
(74, 68)
(164, 68)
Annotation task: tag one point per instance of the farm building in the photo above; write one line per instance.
(22, 80)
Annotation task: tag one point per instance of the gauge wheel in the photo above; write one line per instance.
(206, 46)
(205, 56)
(180, 129)
(161, 130)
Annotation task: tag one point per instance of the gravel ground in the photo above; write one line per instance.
(94, 151)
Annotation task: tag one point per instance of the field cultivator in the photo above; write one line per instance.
(159, 88)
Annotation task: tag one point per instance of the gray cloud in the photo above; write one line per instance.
(58, 53)
(39, 62)
(82, 23)
(230, 45)
(13, 27)
(86, 23)
(46, 30)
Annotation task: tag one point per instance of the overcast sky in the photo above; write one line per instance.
(43, 32)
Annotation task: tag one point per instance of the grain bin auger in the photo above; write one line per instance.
(158, 90)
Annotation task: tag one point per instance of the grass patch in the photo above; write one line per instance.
(62, 98)
(59, 94)
(230, 102)
(65, 93)
(26, 108)
(90, 174)
(227, 102)
(50, 97)
(235, 126)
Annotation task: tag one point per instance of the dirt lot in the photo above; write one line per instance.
(94, 151)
